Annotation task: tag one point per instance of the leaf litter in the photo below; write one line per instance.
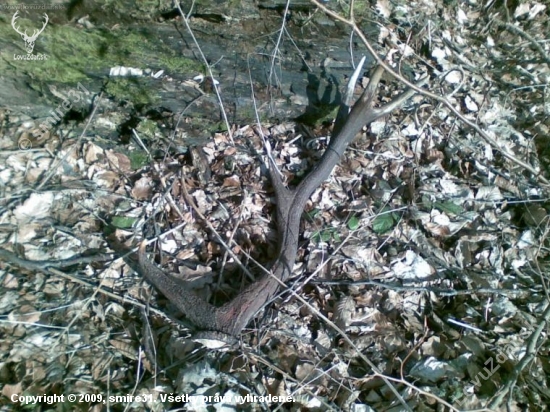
(426, 246)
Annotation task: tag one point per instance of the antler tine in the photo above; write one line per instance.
(343, 111)
(395, 103)
(35, 33)
(15, 17)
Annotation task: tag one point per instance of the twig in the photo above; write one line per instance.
(531, 39)
(287, 376)
(53, 168)
(214, 85)
(528, 357)
(431, 95)
(191, 203)
(279, 39)
(348, 341)
(439, 291)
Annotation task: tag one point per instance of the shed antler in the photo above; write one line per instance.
(232, 317)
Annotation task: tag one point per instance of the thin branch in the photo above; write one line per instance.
(53, 168)
(531, 39)
(431, 95)
(528, 357)
(214, 85)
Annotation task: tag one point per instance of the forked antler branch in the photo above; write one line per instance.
(232, 317)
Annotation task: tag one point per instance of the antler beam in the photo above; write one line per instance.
(232, 317)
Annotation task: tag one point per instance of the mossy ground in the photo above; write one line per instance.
(75, 54)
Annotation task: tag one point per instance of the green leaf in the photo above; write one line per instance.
(383, 223)
(326, 235)
(353, 223)
(426, 202)
(311, 215)
(123, 222)
(449, 207)
(315, 237)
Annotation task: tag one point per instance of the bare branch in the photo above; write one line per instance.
(442, 99)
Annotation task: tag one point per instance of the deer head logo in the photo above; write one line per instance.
(29, 40)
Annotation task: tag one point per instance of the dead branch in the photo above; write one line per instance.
(442, 99)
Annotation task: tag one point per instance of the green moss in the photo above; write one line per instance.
(329, 115)
(71, 54)
(138, 9)
(75, 54)
(147, 127)
(138, 159)
(178, 64)
(319, 115)
(361, 9)
(249, 114)
(217, 127)
(132, 90)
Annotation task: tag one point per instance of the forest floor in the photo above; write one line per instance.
(421, 278)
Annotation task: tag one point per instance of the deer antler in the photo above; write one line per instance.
(232, 317)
